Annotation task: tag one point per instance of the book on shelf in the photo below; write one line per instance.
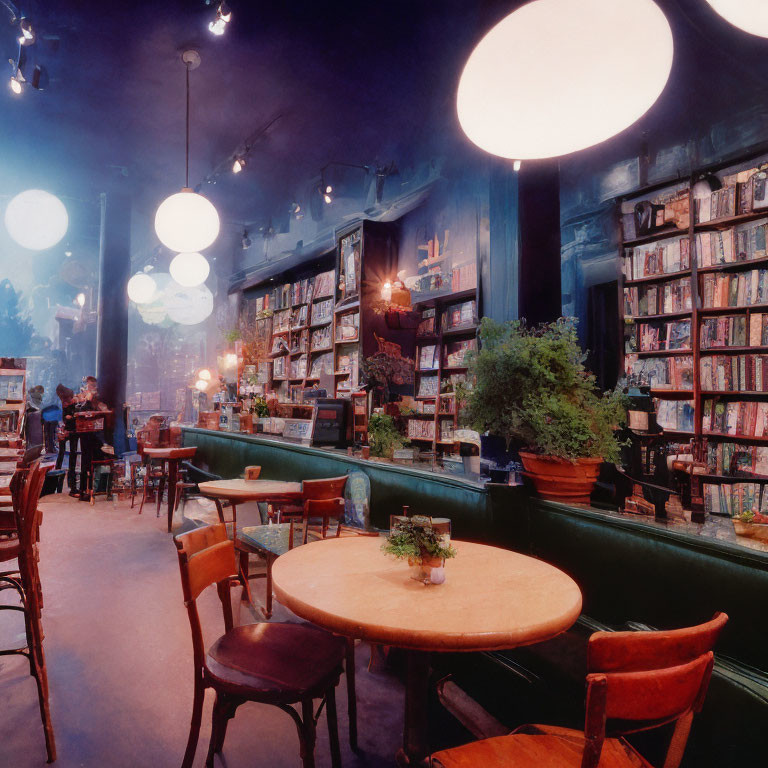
(660, 372)
(659, 299)
(322, 365)
(321, 338)
(428, 359)
(724, 331)
(421, 429)
(9, 421)
(299, 316)
(324, 285)
(427, 386)
(299, 342)
(749, 419)
(675, 415)
(281, 320)
(735, 289)
(347, 326)
(720, 204)
(461, 314)
(742, 244)
(734, 373)
(279, 345)
(322, 311)
(427, 324)
(729, 459)
(446, 430)
(733, 499)
(658, 258)
(751, 190)
(464, 277)
(658, 337)
(278, 368)
(455, 352)
(12, 387)
(301, 291)
(299, 367)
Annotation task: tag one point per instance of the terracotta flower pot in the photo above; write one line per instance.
(559, 479)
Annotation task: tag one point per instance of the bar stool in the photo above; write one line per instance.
(92, 487)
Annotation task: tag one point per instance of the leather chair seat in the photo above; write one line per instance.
(287, 661)
(536, 746)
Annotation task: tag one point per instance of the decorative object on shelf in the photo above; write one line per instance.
(187, 222)
(387, 369)
(513, 110)
(533, 389)
(425, 542)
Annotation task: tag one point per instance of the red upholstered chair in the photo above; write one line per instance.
(636, 681)
(277, 664)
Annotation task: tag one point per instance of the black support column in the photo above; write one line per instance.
(112, 325)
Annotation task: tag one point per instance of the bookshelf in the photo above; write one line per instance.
(13, 396)
(446, 333)
(694, 305)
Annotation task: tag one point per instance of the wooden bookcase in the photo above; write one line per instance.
(724, 383)
(455, 326)
(13, 398)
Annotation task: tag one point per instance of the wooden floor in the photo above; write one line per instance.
(119, 659)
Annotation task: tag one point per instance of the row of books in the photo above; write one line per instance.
(664, 336)
(322, 365)
(749, 419)
(733, 373)
(643, 300)
(427, 386)
(299, 367)
(751, 189)
(658, 258)
(728, 459)
(676, 415)
(733, 499)
(321, 338)
(731, 245)
(726, 331)
(720, 204)
(428, 357)
(347, 327)
(421, 429)
(735, 290)
(455, 353)
(660, 372)
(461, 314)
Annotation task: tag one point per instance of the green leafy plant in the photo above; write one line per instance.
(233, 335)
(261, 408)
(532, 388)
(383, 436)
(415, 538)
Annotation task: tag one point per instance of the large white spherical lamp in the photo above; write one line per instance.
(188, 306)
(557, 76)
(190, 269)
(141, 288)
(36, 219)
(186, 222)
(749, 15)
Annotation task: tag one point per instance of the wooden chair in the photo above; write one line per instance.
(24, 550)
(278, 664)
(636, 681)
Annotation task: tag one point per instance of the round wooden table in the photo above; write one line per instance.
(492, 599)
(240, 490)
(170, 458)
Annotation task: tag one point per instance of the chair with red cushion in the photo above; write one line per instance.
(278, 664)
(636, 681)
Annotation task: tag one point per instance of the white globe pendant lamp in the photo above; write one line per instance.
(749, 15)
(36, 219)
(185, 221)
(141, 288)
(188, 306)
(190, 269)
(557, 76)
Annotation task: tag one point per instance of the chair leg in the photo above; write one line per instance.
(217, 719)
(243, 569)
(144, 492)
(308, 734)
(39, 672)
(268, 597)
(160, 489)
(349, 668)
(194, 727)
(91, 486)
(333, 726)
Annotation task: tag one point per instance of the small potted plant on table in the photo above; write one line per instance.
(532, 389)
(425, 546)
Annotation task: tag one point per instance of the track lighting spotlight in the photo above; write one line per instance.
(517, 165)
(16, 83)
(327, 191)
(246, 241)
(27, 36)
(238, 165)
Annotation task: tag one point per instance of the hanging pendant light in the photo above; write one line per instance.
(187, 222)
(190, 269)
(557, 76)
(749, 15)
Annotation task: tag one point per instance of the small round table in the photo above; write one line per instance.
(492, 599)
(171, 457)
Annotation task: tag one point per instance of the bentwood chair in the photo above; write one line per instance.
(636, 681)
(278, 664)
(26, 581)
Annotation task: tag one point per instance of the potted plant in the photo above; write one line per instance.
(532, 389)
(383, 436)
(424, 547)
